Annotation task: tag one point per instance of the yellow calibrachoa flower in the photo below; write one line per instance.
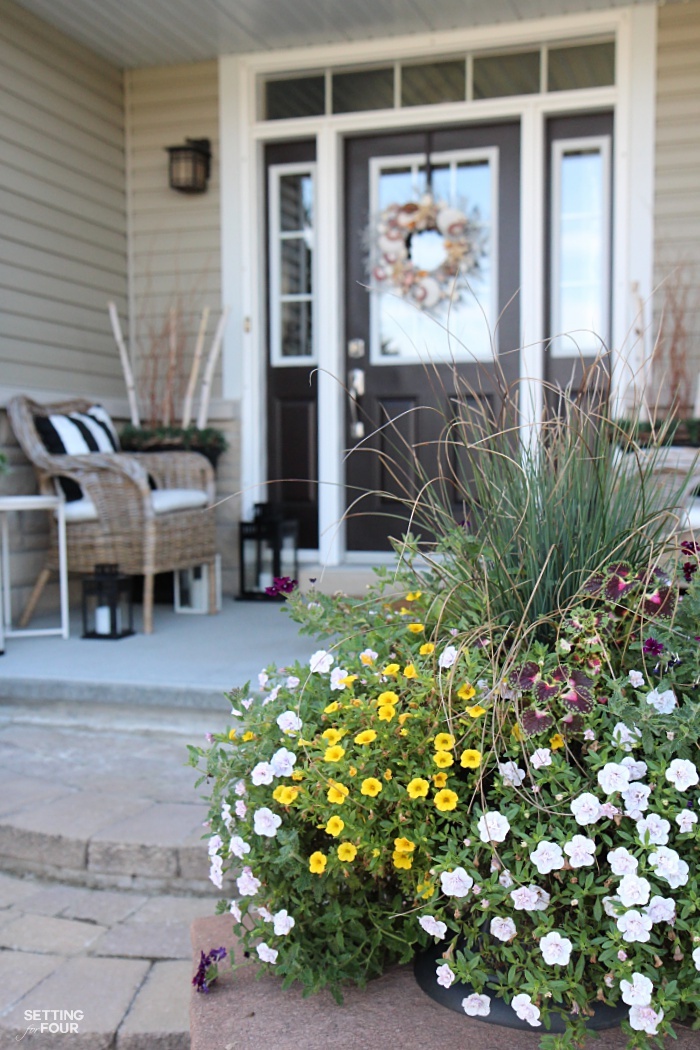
(317, 863)
(352, 772)
(424, 890)
(517, 732)
(476, 711)
(556, 741)
(334, 754)
(371, 787)
(413, 596)
(297, 775)
(284, 794)
(404, 717)
(232, 734)
(443, 759)
(346, 851)
(409, 671)
(348, 680)
(386, 712)
(248, 736)
(418, 788)
(444, 742)
(446, 800)
(404, 845)
(416, 628)
(466, 692)
(334, 826)
(439, 780)
(376, 852)
(403, 732)
(471, 759)
(332, 735)
(426, 649)
(389, 697)
(367, 736)
(331, 708)
(388, 774)
(402, 860)
(337, 793)
(391, 670)
(367, 658)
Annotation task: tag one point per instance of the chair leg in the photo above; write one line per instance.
(41, 581)
(212, 588)
(148, 603)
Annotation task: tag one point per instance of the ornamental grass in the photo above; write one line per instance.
(492, 755)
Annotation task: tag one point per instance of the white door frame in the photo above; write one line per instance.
(242, 138)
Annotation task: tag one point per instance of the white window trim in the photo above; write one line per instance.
(241, 140)
(276, 236)
(560, 346)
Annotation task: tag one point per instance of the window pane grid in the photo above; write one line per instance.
(291, 265)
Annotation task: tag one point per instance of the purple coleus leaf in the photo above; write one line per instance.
(577, 695)
(660, 602)
(571, 724)
(595, 584)
(527, 676)
(546, 691)
(534, 721)
(620, 580)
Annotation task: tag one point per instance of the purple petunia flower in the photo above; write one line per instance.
(652, 647)
(208, 970)
(281, 585)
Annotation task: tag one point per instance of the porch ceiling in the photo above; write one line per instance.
(133, 33)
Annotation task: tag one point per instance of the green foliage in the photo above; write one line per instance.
(145, 439)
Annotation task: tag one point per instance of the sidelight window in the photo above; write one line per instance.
(291, 263)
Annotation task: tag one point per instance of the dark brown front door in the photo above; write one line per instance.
(400, 358)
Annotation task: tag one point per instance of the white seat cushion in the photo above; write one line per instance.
(164, 501)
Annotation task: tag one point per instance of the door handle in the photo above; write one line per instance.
(356, 390)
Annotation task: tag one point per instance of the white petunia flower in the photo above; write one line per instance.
(265, 822)
(239, 787)
(586, 808)
(696, 958)
(235, 911)
(633, 890)
(282, 922)
(622, 862)
(292, 681)
(663, 702)
(262, 774)
(282, 762)
(611, 906)
(447, 657)
(625, 737)
(512, 775)
(263, 679)
(637, 992)
(556, 950)
(215, 872)
(636, 799)
(541, 757)
(669, 867)
(248, 703)
(264, 913)
(320, 662)
(239, 847)
(267, 954)
(634, 926)
(477, 1005)
(529, 898)
(502, 929)
(337, 676)
(289, 722)
(433, 926)
(247, 884)
(493, 827)
(274, 693)
(226, 815)
(505, 879)
(456, 883)
(547, 857)
(636, 679)
(682, 773)
(444, 975)
(613, 777)
(636, 768)
(653, 830)
(580, 851)
(215, 844)
(661, 909)
(685, 820)
(645, 1019)
(241, 809)
(526, 1010)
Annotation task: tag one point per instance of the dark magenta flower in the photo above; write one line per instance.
(208, 969)
(652, 647)
(281, 585)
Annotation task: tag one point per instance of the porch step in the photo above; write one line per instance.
(350, 579)
(101, 797)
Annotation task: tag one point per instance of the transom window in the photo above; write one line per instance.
(454, 78)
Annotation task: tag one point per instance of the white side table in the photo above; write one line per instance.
(13, 503)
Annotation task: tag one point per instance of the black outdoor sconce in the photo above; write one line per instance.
(190, 166)
(268, 552)
(108, 608)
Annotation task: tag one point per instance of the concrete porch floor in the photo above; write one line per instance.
(188, 661)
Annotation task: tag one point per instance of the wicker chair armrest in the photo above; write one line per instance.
(179, 470)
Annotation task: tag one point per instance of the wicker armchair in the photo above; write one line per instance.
(120, 518)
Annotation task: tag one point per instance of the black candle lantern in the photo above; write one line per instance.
(190, 166)
(268, 553)
(108, 608)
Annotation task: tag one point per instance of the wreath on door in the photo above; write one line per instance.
(393, 239)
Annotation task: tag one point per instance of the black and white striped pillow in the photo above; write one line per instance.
(77, 434)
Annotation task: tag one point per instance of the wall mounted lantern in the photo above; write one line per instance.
(190, 166)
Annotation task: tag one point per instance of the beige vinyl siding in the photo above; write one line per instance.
(175, 237)
(63, 251)
(677, 196)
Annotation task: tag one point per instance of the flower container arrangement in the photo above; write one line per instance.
(490, 763)
(210, 441)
